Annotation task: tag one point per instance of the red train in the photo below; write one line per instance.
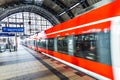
(89, 42)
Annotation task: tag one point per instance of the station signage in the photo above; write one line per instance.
(6, 34)
(12, 29)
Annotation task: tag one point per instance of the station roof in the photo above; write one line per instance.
(56, 11)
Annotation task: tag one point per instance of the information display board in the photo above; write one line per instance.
(12, 29)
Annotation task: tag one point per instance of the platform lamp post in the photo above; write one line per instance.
(9, 45)
(29, 22)
(16, 42)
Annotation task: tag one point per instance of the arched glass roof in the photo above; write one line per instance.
(61, 10)
(31, 22)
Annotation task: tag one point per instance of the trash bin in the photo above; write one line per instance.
(2, 47)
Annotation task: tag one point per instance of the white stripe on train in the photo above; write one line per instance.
(88, 24)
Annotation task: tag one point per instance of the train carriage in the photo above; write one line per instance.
(89, 42)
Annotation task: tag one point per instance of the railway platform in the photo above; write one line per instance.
(27, 64)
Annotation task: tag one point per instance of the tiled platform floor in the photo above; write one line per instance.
(24, 65)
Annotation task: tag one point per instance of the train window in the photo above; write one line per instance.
(85, 46)
(42, 43)
(51, 44)
(93, 46)
(103, 47)
(62, 43)
(37, 43)
(31, 42)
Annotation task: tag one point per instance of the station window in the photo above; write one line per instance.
(62, 43)
(51, 44)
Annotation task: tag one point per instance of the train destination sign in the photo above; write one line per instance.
(12, 29)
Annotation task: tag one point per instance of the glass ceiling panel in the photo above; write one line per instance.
(31, 22)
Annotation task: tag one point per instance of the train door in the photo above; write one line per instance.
(70, 45)
(115, 47)
(36, 44)
(55, 45)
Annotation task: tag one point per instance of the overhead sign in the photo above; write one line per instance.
(6, 34)
(12, 29)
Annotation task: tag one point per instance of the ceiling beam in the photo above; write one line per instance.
(64, 7)
(53, 12)
(19, 23)
(73, 6)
